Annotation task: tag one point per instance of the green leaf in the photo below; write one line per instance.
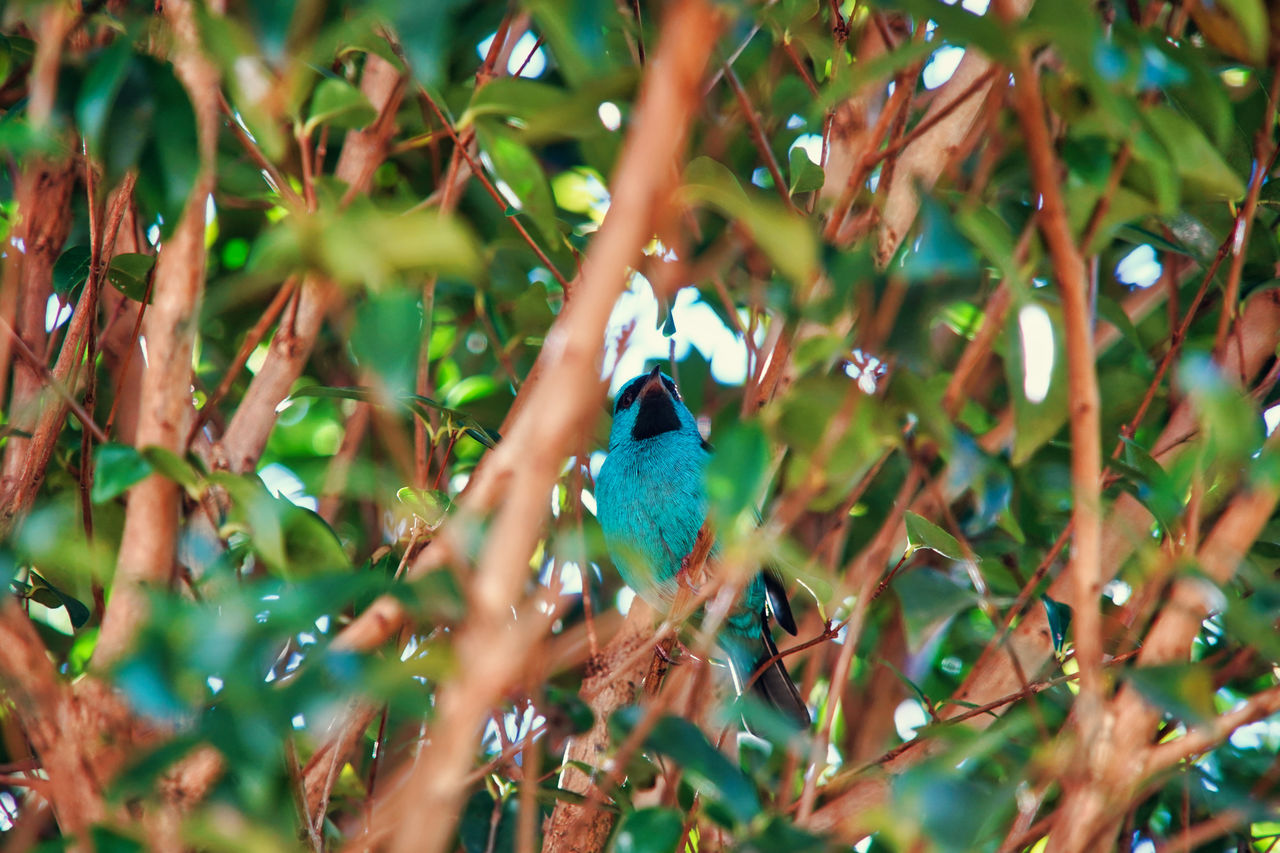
(98, 92)
(708, 768)
(71, 270)
(339, 104)
(1241, 26)
(382, 324)
(169, 464)
(414, 403)
(1059, 616)
(923, 533)
(929, 600)
(541, 112)
(520, 170)
(957, 813)
(805, 175)
(116, 468)
(1035, 421)
(430, 505)
(784, 236)
(1231, 424)
(1152, 485)
(1184, 690)
(151, 126)
(1198, 163)
(129, 273)
(363, 245)
(653, 830)
(575, 30)
(940, 252)
(469, 389)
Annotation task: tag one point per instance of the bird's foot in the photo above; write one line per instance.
(682, 576)
(660, 651)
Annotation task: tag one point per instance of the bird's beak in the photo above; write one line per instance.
(653, 385)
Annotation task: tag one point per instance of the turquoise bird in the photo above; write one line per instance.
(651, 501)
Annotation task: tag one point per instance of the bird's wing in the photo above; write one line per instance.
(776, 595)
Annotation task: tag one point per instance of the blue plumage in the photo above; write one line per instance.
(651, 502)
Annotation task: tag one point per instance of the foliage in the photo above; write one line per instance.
(1026, 621)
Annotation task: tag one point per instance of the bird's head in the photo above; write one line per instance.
(647, 406)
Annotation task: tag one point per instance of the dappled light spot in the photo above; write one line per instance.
(1036, 330)
(908, 717)
(527, 59)
(610, 115)
(1139, 268)
(56, 313)
(696, 326)
(943, 64)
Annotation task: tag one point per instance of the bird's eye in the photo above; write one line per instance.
(625, 399)
(671, 386)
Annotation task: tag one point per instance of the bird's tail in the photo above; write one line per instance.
(773, 684)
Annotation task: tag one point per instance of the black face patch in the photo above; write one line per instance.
(657, 415)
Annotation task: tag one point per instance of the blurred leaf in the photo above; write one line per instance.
(737, 471)
(957, 813)
(169, 464)
(414, 403)
(339, 104)
(170, 160)
(382, 324)
(785, 237)
(940, 250)
(1184, 690)
(1198, 163)
(923, 533)
(575, 30)
(1238, 28)
(98, 92)
(425, 32)
(652, 830)
(929, 600)
(1231, 424)
(363, 245)
(430, 505)
(542, 112)
(116, 468)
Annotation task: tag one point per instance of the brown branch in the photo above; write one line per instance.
(44, 220)
(563, 394)
(149, 540)
(362, 153)
(1264, 152)
(250, 343)
(1085, 566)
(758, 135)
(462, 146)
(1204, 737)
(922, 161)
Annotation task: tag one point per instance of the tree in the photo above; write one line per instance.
(305, 308)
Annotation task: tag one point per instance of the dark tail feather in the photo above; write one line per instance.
(773, 685)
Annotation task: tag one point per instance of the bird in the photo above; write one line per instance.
(651, 502)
